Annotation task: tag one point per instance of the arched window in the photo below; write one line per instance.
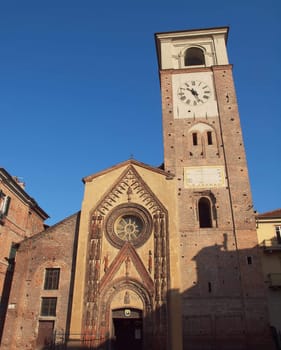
(205, 213)
(194, 56)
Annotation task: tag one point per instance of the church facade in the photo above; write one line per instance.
(157, 258)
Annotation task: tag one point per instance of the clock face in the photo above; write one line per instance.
(194, 93)
(128, 227)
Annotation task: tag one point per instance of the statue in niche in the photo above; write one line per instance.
(93, 227)
(163, 247)
(163, 289)
(98, 231)
(129, 193)
(95, 290)
(95, 311)
(150, 261)
(128, 265)
(88, 318)
(162, 226)
(90, 297)
(96, 226)
(93, 249)
(105, 262)
(163, 268)
(157, 289)
(157, 268)
(97, 270)
(156, 226)
(91, 271)
(98, 250)
(127, 298)
(156, 244)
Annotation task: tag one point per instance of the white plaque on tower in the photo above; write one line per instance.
(204, 177)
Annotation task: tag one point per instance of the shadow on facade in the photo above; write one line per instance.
(6, 293)
(224, 308)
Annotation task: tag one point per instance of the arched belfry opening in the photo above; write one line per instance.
(194, 56)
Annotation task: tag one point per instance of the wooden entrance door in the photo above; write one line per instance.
(127, 329)
(128, 333)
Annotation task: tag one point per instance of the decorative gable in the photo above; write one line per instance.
(129, 259)
(129, 187)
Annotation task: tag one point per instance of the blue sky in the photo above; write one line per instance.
(80, 92)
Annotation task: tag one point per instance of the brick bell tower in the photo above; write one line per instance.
(221, 285)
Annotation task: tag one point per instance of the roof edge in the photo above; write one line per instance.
(189, 32)
(128, 162)
(14, 186)
(270, 214)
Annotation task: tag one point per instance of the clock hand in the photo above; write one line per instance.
(191, 90)
(194, 92)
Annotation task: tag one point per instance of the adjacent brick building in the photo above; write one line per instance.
(20, 217)
(43, 274)
(158, 257)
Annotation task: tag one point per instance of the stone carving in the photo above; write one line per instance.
(128, 222)
(96, 226)
(129, 183)
(97, 270)
(105, 262)
(127, 298)
(153, 272)
(93, 249)
(157, 289)
(128, 265)
(157, 267)
(160, 260)
(163, 289)
(164, 268)
(129, 193)
(150, 261)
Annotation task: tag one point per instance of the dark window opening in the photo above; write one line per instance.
(194, 139)
(48, 306)
(249, 260)
(209, 137)
(278, 234)
(209, 287)
(205, 215)
(52, 278)
(194, 56)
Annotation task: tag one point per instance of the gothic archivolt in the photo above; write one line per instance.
(134, 271)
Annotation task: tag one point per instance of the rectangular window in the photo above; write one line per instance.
(4, 204)
(194, 139)
(48, 307)
(278, 234)
(52, 277)
(209, 137)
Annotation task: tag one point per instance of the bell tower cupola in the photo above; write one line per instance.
(192, 48)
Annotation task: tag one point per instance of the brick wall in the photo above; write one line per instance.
(53, 248)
